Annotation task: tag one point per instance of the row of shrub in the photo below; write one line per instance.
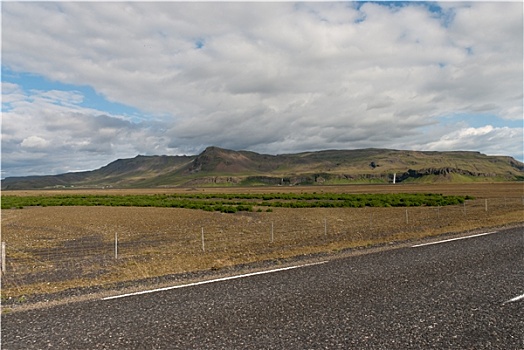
(230, 203)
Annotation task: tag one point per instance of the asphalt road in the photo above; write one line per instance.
(451, 295)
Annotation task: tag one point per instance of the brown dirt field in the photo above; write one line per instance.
(53, 249)
(479, 190)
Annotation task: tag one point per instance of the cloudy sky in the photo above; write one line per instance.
(84, 84)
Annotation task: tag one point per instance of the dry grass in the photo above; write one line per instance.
(52, 249)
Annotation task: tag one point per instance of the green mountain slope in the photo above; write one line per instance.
(221, 167)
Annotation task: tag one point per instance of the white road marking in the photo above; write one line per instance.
(211, 281)
(514, 299)
(453, 239)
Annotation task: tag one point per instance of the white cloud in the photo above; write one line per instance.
(46, 131)
(486, 139)
(269, 77)
(34, 142)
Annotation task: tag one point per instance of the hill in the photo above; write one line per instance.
(221, 167)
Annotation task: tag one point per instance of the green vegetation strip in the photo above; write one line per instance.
(231, 203)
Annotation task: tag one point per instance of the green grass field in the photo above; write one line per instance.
(230, 203)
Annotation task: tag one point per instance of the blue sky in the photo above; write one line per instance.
(91, 99)
(84, 84)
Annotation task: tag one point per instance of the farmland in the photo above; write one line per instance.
(57, 249)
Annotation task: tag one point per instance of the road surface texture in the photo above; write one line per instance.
(458, 294)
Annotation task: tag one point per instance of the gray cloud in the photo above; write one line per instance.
(269, 77)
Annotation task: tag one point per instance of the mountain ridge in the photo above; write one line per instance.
(217, 166)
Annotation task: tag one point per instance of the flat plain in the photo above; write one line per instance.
(57, 251)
